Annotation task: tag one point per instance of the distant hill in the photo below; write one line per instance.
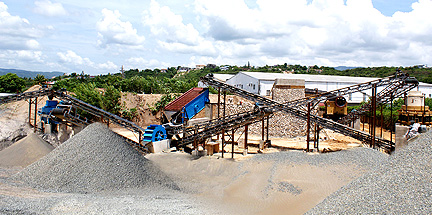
(343, 68)
(29, 74)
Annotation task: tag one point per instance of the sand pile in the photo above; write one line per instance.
(96, 159)
(402, 185)
(25, 151)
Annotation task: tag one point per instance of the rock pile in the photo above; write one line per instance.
(402, 185)
(281, 124)
(96, 159)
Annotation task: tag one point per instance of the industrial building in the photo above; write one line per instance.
(262, 83)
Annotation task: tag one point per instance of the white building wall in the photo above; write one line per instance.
(266, 87)
(245, 82)
(248, 82)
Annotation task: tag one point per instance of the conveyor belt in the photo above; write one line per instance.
(288, 107)
(394, 90)
(80, 105)
(26, 95)
(210, 128)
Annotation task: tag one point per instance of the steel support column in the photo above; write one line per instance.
(382, 121)
(308, 126)
(391, 118)
(35, 114)
(29, 117)
(246, 138)
(267, 128)
(262, 130)
(374, 89)
(218, 107)
(223, 141)
(232, 144)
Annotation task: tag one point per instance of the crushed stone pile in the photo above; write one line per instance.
(94, 160)
(402, 185)
(25, 151)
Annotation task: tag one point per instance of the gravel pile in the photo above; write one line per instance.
(402, 185)
(96, 159)
(362, 157)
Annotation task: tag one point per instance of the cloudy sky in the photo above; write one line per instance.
(98, 36)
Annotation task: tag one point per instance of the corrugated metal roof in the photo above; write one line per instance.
(222, 77)
(184, 99)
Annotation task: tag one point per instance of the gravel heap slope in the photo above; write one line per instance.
(403, 185)
(96, 159)
(25, 151)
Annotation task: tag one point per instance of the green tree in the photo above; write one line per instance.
(40, 80)
(11, 83)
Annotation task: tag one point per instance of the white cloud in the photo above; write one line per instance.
(71, 58)
(114, 31)
(321, 31)
(142, 63)
(48, 8)
(21, 57)
(17, 33)
(164, 23)
(107, 66)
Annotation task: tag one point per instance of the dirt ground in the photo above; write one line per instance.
(255, 187)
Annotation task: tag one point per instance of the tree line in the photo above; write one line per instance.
(104, 91)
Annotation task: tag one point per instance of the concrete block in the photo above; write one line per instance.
(160, 146)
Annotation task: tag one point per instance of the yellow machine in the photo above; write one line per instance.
(335, 108)
(414, 110)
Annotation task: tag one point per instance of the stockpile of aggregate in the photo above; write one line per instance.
(25, 151)
(365, 158)
(402, 185)
(96, 159)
